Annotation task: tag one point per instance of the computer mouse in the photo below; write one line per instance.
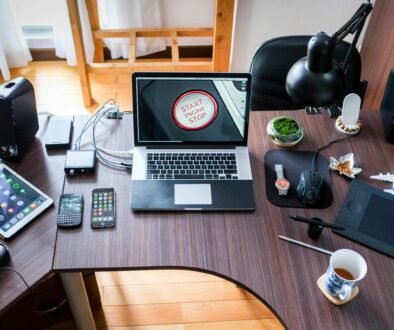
(309, 187)
(4, 255)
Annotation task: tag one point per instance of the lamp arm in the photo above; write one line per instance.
(354, 24)
(352, 46)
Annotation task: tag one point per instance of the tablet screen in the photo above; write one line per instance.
(19, 201)
(367, 213)
(378, 220)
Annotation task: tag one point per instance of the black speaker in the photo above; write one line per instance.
(18, 118)
(387, 109)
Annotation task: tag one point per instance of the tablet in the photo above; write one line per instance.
(367, 213)
(20, 202)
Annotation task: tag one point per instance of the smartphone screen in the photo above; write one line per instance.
(103, 208)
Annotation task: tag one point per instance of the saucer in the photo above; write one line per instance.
(336, 301)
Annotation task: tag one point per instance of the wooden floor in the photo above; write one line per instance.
(146, 300)
(177, 299)
(58, 91)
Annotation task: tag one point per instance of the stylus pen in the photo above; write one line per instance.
(304, 244)
(315, 222)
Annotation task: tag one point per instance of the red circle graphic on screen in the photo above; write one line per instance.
(194, 110)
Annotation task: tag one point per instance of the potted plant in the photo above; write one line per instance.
(285, 131)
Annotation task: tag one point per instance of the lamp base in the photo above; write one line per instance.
(347, 129)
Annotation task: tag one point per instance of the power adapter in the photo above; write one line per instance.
(112, 111)
(114, 115)
(80, 161)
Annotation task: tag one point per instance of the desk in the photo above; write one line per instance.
(242, 246)
(32, 248)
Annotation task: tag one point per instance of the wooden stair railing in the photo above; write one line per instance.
(220, 60)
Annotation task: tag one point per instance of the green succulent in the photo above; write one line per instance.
(286, 126)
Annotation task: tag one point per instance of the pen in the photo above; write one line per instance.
(315, 222)
(304, 244)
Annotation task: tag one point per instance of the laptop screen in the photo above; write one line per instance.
(191, 108)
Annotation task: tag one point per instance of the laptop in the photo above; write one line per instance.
(190, 136)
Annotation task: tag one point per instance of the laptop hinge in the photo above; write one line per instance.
(194, 146)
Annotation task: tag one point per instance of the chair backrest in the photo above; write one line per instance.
(273, 60)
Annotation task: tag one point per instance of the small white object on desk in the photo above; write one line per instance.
(345, 165)
(386, 178)
(348, 123)
(308, 246)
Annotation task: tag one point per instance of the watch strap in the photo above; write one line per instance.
(279, 171)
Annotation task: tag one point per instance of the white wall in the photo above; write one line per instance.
(189, 13)
(261, 20)
(36, 12)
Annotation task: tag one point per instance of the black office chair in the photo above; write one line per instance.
(273, 60)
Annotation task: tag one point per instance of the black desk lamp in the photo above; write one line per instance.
(318, 80)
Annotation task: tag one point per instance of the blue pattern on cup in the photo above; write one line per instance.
(335, 285)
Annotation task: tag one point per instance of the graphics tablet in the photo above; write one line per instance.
(367, 213)
(20, 202)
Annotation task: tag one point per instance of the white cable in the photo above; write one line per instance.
(104, 160)
(120, 153)
(103, 108)
(45, 113)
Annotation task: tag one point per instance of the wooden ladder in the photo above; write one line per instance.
(219, 62)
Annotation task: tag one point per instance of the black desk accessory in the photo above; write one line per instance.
(318, 69)
(333, 111)
(316, 225)
(309, 187)
(387, 109)
(4, 255)
(58, 135)
(18, 118)
(312, 110)
(294, 162)
(367, 213)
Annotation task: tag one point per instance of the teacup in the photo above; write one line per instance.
(347, 268)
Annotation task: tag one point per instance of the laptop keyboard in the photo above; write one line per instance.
(189, 166)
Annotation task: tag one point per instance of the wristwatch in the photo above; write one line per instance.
(281, 183)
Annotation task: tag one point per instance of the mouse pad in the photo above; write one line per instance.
(294, 162)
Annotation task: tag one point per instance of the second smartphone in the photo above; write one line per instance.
(103, 208)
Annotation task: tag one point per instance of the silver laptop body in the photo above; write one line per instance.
(190, 136)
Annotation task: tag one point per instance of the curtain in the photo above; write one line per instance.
(122, 14)
(64, 44)
(13, 48)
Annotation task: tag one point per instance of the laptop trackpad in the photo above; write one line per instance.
(189, 194)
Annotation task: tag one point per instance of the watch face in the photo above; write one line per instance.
(282, 184)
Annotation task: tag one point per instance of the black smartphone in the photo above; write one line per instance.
(103, 208)
(70, 210)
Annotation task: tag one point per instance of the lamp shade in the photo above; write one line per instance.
(316, 80)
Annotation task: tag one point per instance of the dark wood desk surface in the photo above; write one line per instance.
(32, 248)
(243, 246)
